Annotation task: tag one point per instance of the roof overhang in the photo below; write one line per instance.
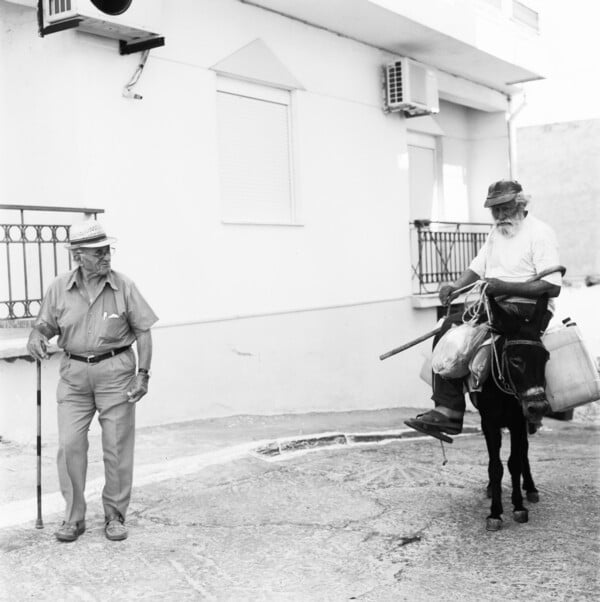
(490, 50)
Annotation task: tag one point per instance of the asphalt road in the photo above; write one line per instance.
(374, 522)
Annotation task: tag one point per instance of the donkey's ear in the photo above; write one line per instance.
(541, 306)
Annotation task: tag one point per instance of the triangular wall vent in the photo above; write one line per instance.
(256, 62)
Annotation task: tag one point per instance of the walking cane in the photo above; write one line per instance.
(39, 523)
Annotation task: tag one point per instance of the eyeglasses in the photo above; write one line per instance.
(100, 253)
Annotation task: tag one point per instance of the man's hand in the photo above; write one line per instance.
(446, 292)
(37, 345)
(138, 388)
(497, 287)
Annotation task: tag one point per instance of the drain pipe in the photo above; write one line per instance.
(512, 132)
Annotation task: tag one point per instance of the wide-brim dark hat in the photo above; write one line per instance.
(88, 234)
(502, 191)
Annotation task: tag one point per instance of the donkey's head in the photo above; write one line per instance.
(523, 357)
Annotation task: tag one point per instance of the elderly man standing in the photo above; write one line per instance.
(97, 314)
(519, 249)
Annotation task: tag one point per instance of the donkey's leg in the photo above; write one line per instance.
(531, 493)
(493, 440)
(518, 435)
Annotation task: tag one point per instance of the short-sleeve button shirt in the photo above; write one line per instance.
(113, 319)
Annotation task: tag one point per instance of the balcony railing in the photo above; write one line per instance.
(32, 249)
(441, 251)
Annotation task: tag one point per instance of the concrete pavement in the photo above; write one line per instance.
(301, 508)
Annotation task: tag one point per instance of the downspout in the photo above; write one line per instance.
(512, 133)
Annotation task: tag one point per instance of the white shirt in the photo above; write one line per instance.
(519, 258)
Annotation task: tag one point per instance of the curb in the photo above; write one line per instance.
(287, 446)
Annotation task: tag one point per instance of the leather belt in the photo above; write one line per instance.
(94, 359)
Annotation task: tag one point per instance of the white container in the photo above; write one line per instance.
(572, 377)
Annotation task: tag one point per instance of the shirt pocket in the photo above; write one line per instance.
(114, 329)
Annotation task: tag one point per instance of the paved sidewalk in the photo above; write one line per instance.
(181, 448)
(321, 518)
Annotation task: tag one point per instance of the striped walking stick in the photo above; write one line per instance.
(39, 523)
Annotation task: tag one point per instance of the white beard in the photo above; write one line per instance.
(508, 229)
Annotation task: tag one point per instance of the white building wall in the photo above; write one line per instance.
(253, 319)
(453, 120)
(323, 360)
(474, 152)
(152, 164)
(488, 158)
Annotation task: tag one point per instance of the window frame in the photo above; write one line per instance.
(431, 142)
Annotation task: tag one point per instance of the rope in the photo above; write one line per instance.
(474, 309)
(499, 380)
(443, 454)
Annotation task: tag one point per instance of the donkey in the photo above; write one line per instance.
(513, 396)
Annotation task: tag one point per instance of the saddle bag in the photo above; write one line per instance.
(572, 377)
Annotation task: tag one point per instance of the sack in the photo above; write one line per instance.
(572, 377)
(480, 365)
(453, 352)
(425, 373)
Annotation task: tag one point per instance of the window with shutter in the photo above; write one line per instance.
(255, 153)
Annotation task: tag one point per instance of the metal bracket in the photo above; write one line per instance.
(68, 24)
(131, 47)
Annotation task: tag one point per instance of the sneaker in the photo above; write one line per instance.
(114, 529)
(70, 531)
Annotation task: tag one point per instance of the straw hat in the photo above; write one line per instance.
(88, 234)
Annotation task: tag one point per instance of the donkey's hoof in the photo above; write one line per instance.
(532, 496)
(521, 516)
(493, 524)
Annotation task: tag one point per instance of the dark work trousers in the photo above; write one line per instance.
(449, 392)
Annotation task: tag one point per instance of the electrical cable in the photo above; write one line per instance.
(127, 93)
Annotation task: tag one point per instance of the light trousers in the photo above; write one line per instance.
(83, 390)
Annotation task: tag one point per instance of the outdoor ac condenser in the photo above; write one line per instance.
(135, 23)
(411, 87)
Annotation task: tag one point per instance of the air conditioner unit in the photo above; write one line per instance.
(411, 87)
(135, 23)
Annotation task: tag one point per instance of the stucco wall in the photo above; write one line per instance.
(558, 165)
(474, 154)
(152, 164)
(320, 360)
(341, 278)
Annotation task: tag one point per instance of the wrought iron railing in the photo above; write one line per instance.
(32, 252)
(441, 251)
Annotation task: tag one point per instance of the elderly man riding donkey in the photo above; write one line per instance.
(518, 275)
